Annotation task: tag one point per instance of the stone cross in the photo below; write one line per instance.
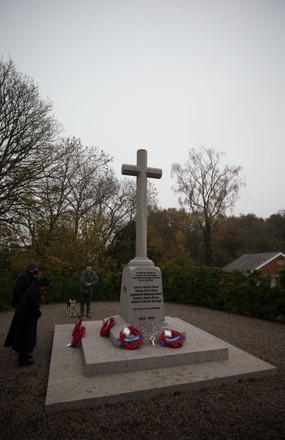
(142, 172)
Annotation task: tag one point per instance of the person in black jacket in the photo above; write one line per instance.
(22, 334)
(24, 281)
(88, 280)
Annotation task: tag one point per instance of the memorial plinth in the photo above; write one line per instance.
(99, 373)
(197, 348)
(141, 295)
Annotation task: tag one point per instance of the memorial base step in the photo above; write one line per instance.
(102, 356)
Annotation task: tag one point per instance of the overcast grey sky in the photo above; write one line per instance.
(164, 75)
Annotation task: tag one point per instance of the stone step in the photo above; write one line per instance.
(70, 388)
(101, 356)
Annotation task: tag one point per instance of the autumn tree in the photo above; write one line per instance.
(206, 190)
(168, 236)
(276, 229)
(27, 129)
(75, 208)
(122, 246)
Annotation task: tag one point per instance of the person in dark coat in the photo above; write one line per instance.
(22, 334)
(88, 280)
(24, 281)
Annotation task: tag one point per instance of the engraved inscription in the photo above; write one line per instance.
(146, 293)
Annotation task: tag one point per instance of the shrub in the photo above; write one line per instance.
(6, 287)
(248, 293)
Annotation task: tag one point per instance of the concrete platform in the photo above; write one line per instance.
(98, 373)
(100, 358)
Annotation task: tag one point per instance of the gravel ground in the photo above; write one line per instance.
(253, 409)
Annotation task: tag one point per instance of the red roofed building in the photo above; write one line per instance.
(268, 263)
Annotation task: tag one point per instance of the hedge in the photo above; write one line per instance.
(240, 293)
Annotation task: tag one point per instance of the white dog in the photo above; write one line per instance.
(70, 305)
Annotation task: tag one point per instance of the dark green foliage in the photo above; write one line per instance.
(63, 285)
(192, 285)
(282, 278)
(109, 286)
(210, 287)
(6, 285)
(248, 294)
(122, 248)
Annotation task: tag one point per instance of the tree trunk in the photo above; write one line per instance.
(207, 233)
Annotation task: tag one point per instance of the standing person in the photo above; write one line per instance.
(24, 281)
(22, 334)
(88, 279)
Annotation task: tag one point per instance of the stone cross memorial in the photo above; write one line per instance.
(105, 375)
(141, 299)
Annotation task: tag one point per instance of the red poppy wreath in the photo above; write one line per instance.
(107, 325)
(171, 338)
(78, 332)
(130, 338)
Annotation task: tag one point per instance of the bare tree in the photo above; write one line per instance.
(27, 128)
(78, 202)
(207, 191)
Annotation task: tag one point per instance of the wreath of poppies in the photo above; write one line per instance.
(107, 325)
(78, 332)
(171, 338)
(130, 338)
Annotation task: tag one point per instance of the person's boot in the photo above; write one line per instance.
(81, 311)
(88, 311)
(24, 360)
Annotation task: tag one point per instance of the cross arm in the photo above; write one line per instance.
(130, 170)
(134, 170)
(155, 173)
